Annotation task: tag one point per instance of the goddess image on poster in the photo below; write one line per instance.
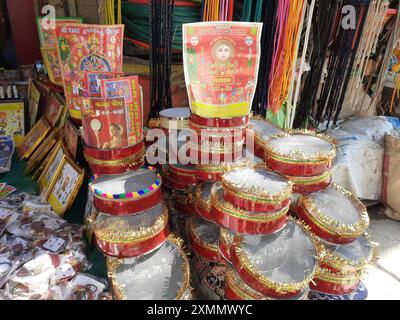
(221, 61)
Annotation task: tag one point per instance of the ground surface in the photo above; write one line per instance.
(383, 277)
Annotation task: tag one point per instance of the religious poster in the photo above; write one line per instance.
(66, 187)
(221, 61)
(50, 59)
(54, 109)
(47, 33)
(90, 48)
(33, 139)
(33, 102)
(129, 89)
(92, 82)
(71, 137)
(12, 121)
(105, 124)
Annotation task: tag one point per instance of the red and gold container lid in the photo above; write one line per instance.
(203, 238)
(219, 122)
(225, 243)
(243, 221)
(334, 214)
(214, 171)
(131, 236)
(306, 185)
(117, 161)
(278, 265)
(160, 275)
(262, 130)
(237, 290)
(174, 118)
(349, 258)
(183, 173)
(300, 153)
(127, 193)
(256, 189)
(174, 182)
(203, 201)
(336, 283)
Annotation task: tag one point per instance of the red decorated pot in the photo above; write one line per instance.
(219, 122)
(103, 161)
(131, 236)
(256, 189)
(279, 265)
(300, 153)
(242, 221)
(334, 214)
(127, 193)
(306, 185)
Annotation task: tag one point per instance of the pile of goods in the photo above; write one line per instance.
(42, 257)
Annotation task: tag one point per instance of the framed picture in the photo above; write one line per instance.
(33, 139)
(71, 138)
(46, 179)
(33, 102)
(50, 59)
(12, 120)
(66, 186)
(54, 109)
(41, 152)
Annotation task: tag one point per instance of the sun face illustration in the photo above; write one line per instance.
(248, 41)
(194, 41)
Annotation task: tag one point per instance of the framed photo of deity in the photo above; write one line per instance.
(12, 121)
(71, 138)
(54, 109)
(33, 102)
(66, 186)
(41, 152)
(50, 171)
(51, 63)
(33, 139)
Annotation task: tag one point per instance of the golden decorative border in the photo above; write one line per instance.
(193, 234)
(281, 288)
(231, 280)
(310, 180)
(331, 225)
(338, 277)
(226, 238)
(299, 157)
(258, 195)
(113, 264)
(120, 233)
(131, 160)
(342, 263)
(229, 209)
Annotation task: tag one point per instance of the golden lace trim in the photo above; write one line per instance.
(347, 265)
(131, 161)
(338, 277)
(121, 232)
(195, 237)
(333, 226)
(310, 180)
(183, 292)
(281, 288)
(225, 237)
(298, 157)
(229, 209)
(257, 194)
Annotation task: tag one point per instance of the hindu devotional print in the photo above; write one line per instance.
(221, 62)
(87, 48)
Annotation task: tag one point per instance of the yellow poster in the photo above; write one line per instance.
(12, 121)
